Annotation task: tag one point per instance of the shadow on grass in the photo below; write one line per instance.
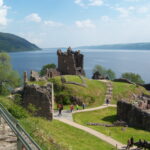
(110, 119)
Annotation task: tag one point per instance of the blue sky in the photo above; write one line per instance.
(59, 23)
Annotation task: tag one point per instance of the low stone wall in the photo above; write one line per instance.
(146, 86)
(41, 97)
(123, 80)
(133, 115)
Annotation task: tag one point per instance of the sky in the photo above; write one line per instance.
(63, 23)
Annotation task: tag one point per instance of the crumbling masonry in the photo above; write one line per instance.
(70, 62)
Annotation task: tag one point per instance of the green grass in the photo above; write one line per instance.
(93, 95)
(126, 91)
(64, 135)
(108, 116)
(53, 135)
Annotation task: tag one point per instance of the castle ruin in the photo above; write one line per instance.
(70, 62)
(136, 114)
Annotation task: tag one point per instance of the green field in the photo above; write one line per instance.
(108, 116)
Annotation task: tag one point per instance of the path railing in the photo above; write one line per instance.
(24, 140)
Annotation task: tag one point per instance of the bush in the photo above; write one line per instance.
(18, 112)
(104, 72)
(136, 78)
(45, 67)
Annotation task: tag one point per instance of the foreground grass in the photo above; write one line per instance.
(69, 137)
(108, 116)
(126, 91)
(53, 135)
(93, 95)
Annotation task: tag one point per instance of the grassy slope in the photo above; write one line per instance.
(126, 91)
(108, 116)
(92, 95)
(54, 135)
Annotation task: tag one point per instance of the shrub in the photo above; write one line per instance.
(136, 78)
(45, 67)
(104, 72)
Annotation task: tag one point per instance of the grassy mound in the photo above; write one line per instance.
(92, 95)
(126, 91)
(108, 116)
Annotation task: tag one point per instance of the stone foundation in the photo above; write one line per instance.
(133, 115)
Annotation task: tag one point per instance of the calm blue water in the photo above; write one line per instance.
(118, 60)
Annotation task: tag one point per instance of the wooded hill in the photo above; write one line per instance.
(12, 43)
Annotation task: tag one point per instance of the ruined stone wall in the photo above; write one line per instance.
(133, 115)
(66, 64)
(146, 86)
(70, 62)
(41, 97)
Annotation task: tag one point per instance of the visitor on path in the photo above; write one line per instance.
(77, 107)
(60, 108)
(107, 101)
(83, 105)
(71, 108)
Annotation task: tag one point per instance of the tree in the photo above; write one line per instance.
(100, 69)
(104, 72)
(8, 77)
(111, 74)
(45, 67)
(136, 78)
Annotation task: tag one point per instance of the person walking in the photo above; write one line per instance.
(60, 108)
(71, 108)
(107, 101)
(77, 107)
(83, 105)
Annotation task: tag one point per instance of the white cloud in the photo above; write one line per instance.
(143, 9)
(53, 23)
(3, 13)
(95, 2)
(34, 17)
(125, 12)
(85, 24)
(86, 3)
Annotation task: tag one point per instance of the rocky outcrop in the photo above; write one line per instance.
(133, 115)
(41, 97)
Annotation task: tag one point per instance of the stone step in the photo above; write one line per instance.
(6, 146)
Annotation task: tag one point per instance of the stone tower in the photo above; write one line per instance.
(70, 62)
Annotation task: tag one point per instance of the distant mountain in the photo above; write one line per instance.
(12, 43)
(129, 46)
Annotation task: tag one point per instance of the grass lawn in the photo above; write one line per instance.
(126, 91)
(108, 116)
(69, 138)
